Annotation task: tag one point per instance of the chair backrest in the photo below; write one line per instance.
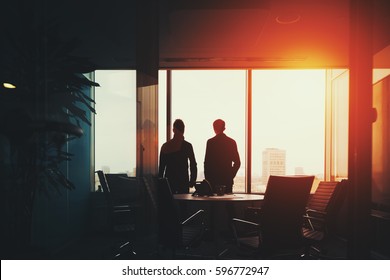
(168, 217)
(282, 210)
(319, 204)
(105, 187)
(336, 217)
(339, 196)
(123, 189)
(107, 195)
(319, 201)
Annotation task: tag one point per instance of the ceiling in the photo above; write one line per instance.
(264, 33)
(247, 33)
(211, 33)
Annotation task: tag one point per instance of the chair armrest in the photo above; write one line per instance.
(316, 213)
(127, 207)
(123, 210)
(243, 229)
(121, 207)
(199, 215)
(314, 219)
(245, 222)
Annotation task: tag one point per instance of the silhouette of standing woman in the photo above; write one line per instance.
(175, 155)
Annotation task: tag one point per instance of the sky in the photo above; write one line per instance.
(115, 119)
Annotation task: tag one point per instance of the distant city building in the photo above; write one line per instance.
(274, 163)
(299, 170)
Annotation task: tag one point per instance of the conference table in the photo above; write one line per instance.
(220, 209)
(217, 203)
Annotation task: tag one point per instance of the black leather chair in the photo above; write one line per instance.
(174, 233)
(121, 220)
(320, 217)
(277, 232)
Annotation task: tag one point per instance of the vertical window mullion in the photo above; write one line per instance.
(329, 120)
(248, 142)
(169, 104)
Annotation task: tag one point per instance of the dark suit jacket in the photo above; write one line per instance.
(222, 161)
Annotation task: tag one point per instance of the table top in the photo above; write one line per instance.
(227, 197)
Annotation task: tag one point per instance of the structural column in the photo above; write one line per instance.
(360, 129)
(147, 87)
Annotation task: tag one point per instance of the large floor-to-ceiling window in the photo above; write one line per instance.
(115, 121)
(199, 98)
(288, 118)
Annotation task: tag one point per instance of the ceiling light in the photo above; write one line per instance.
(9, 85)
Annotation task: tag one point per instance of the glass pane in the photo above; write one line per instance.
(115, 121)
(162, 108)
(381, 142)
(340, 100)
(201, 96)
(287, 124)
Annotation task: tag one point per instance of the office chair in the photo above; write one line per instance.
(173, 233)
(321, 213)
(277, 233)
(121, 219)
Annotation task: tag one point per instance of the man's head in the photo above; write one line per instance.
(178, 126)
(219, 126)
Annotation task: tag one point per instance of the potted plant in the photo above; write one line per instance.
(42, 104)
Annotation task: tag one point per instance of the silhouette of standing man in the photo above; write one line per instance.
(174, 157)
(222, 160)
